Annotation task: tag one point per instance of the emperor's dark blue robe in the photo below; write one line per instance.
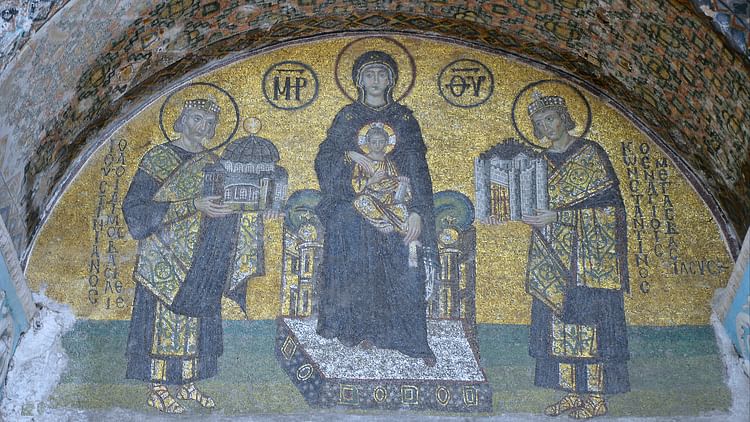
(590, 241)
(162, 226)
(368, 291)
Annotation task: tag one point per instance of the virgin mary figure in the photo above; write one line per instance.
(370, 295)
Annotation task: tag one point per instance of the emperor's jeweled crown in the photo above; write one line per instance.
(542, 102)
(203, 104)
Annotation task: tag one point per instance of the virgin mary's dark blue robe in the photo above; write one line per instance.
(368, 291)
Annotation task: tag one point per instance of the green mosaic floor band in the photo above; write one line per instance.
(674, 371)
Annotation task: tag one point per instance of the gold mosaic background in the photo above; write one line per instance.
(60, 258)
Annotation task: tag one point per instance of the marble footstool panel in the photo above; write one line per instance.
(328, 373)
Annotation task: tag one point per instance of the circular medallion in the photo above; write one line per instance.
(252, 125)
(201, 92)
(290, 85)
(442, 395)
(380, 394)
(576, 103)
(304, 372)
(407, 68)
(466, 83)
(448, 236)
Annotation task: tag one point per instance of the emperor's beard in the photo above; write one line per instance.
(200, 143)
(545, 142)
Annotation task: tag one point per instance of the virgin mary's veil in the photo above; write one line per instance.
(375, 57)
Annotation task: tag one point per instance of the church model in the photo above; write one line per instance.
(248, 175)
(511, 181)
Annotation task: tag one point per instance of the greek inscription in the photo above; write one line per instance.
(466, 83)
(290, 85)
(105, 287)
(652, 221)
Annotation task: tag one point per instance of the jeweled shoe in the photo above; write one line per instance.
(160, 399)
(191, 392)
(594, 405)
(569, 402)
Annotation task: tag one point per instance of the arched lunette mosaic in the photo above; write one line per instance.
(428, 258)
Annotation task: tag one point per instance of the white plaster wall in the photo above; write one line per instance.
(38, 363)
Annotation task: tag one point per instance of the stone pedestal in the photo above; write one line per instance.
(327, 373)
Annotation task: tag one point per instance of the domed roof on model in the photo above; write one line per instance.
(251, 149)
(509, 148)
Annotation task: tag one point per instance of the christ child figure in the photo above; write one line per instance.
(382, 195)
